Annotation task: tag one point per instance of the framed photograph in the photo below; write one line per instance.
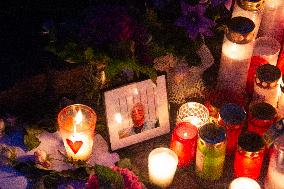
(137, 112)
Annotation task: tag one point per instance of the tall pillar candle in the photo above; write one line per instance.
(267, 84)
(162, 164)
(236, 55)
(275, 175)
(210, 153)
(272, 23)
(252, 9)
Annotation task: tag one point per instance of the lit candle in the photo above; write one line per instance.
(252, 9)
(183, 142)
(77, 125)
(267, 84)
(244, 183)
(193, 112)
(232, 117)
(236, 55)
(249, 156)
(162, 164)
(275, 174)
(272, 23)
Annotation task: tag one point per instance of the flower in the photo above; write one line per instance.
(194, 21)
(216, 3)
(131, 181)
(93, 182)
(41, 158)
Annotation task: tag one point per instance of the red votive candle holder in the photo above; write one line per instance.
(232, 117)
(249, 156)
(183, 143)
(261, 117)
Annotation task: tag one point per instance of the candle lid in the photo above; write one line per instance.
(232, 113)
(185, 130)
(250, 142)
(240, 30)
(211, 133)
(263, 111)
(251, 5)
(267, 76)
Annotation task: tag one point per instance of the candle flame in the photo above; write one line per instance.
(185, 134)
(78, 117)
(118, 118)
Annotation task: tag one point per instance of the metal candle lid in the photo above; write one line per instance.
(267, 76)
(251, 142)
(251, 5)
(263, 111)
(212, 134)
(240, 30)
(232, 113)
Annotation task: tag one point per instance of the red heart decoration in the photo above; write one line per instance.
(75, 146)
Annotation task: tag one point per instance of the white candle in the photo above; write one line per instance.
(162, 164)
(244, 183)
(272, 23)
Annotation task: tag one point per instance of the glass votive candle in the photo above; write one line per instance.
(244, 183)
(267, 48)
(183, 142)
(249, 156)
(162, 164)
(210, 153)
(261, 117)
(232, 117)
(267, 84)
(77, 124)
(193, 112)
(275, 175)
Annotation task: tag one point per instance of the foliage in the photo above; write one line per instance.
(30, 138)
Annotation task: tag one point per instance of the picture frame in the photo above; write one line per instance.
(137, 112)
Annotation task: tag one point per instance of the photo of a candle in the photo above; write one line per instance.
(249, 156)
(235, 60)
(183, 142)
(232, 117)
(267, 84)
(275, 175)
(162, 164)
(77, 126)
(244, 183)
(193, 112)
(261, 117)
(251, 9)
(210, 153)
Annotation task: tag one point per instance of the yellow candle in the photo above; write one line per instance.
(244, 183)
(77, 124)
(162, 166)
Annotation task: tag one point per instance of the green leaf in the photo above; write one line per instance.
(89, 54)
(108, 175)
(31, 141)
(31, 130)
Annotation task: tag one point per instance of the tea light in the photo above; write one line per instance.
(193, 112)
(244, 183)
(162, 164)
(236, 55)
(77, 125)
(183, 142)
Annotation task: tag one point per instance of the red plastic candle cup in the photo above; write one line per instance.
(249, 156)
(183, 142)
(261, 117)
(232, 117)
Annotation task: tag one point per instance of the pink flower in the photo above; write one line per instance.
(93, 182)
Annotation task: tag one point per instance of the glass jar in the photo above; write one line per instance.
(275, 175)
(210, 154)
(249, 156)
(232, 117)
(267, 84)
(236, 55)
(261, 117)
(183, 142)
(252, 9)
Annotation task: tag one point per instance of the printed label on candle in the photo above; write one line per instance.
(199, 161)
(75, 146)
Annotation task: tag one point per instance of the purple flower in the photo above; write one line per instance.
(216, 3)
(194, 21)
